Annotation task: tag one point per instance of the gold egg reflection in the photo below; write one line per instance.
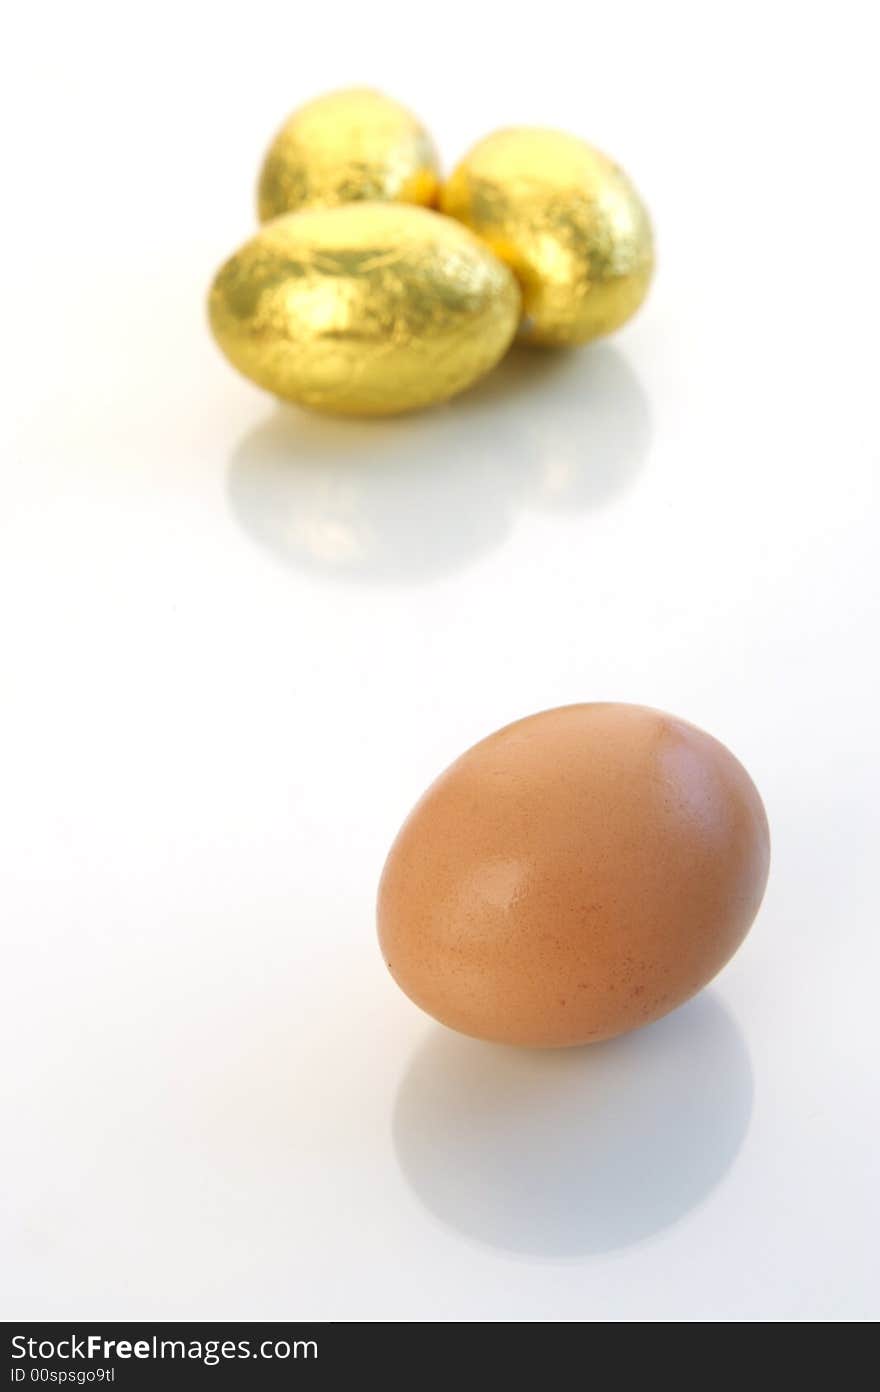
(420, 497)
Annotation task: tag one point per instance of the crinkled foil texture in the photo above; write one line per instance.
(365, 309)
(569, 223)
(346, 147)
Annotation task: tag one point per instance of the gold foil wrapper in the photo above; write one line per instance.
(566, 220)
(366, 309)
(348, 147)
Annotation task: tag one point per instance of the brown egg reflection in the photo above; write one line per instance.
(563, 1153)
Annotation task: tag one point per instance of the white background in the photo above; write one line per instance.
(237, 642)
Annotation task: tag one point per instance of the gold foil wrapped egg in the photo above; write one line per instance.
(569, 223)
(371, 308)
(348, 147)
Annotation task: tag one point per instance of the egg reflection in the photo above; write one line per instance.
(586, 443)
(423, 496)
(571, 1153)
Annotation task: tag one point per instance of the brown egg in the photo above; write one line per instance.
(575, 875)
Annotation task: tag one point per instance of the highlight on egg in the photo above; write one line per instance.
(369, 308)
(567, 220)
(354, 145)
(573, 876)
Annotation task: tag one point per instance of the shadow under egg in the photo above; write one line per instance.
(572, 1152)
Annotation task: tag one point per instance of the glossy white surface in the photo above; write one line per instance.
(238, 641)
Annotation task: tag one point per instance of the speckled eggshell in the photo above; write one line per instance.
(575, 875)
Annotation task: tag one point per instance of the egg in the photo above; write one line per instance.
(573, 876)
(369, 308)
(569, 223)
(350, 146)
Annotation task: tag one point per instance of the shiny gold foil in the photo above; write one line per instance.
(568, 222)
(371, 308)
(348, 147)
